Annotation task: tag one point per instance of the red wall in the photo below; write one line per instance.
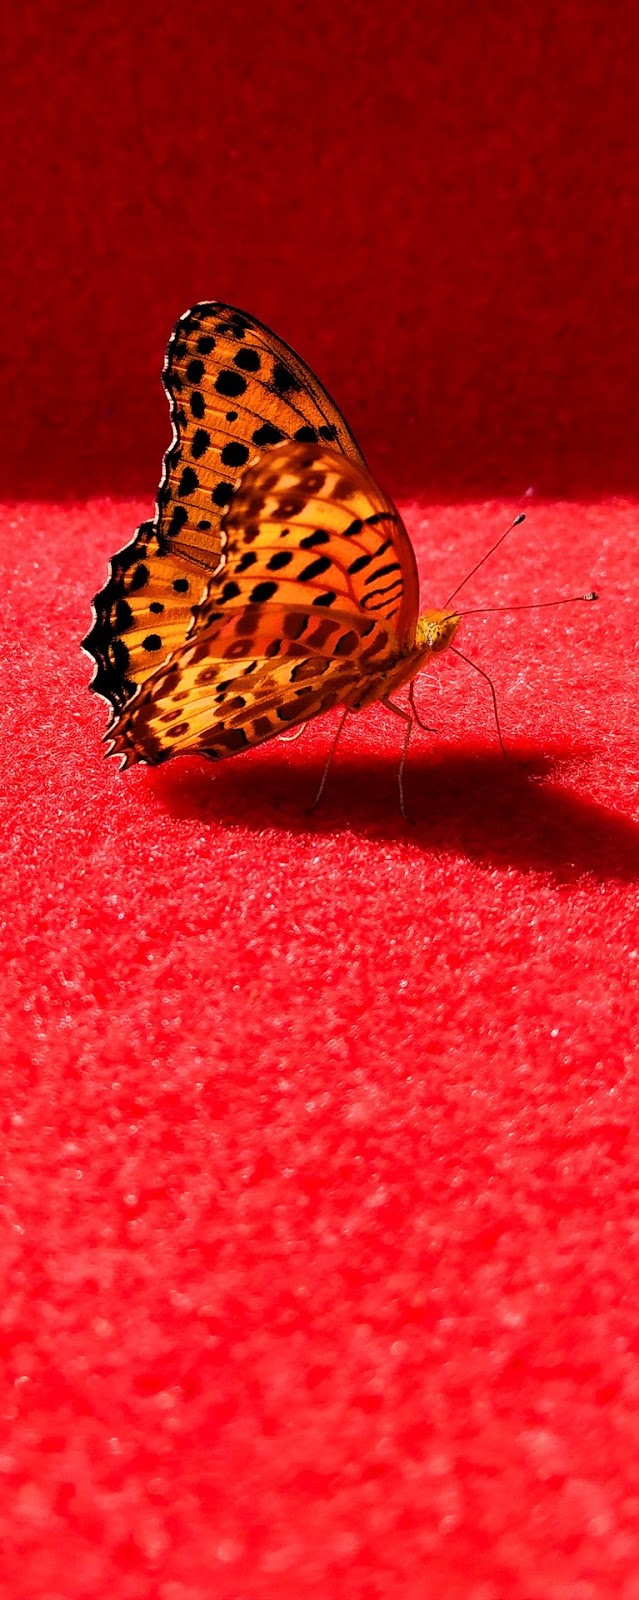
(435, 202)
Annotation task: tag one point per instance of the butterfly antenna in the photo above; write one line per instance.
(411, 697)
(514, 524)
(534, 605)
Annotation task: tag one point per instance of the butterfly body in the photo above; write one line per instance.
(276, 580)
(435, 631)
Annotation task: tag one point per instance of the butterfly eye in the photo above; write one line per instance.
(445, 631)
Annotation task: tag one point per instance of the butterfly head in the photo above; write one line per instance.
(436, 630)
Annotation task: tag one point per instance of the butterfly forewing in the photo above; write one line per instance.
(143, 612)
(235, 390)
(310, 534)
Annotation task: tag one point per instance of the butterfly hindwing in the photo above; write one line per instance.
(235, 391)
(222, 708)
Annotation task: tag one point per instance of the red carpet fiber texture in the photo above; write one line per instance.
(320, 1135)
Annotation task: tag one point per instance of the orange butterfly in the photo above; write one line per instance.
(276, 580)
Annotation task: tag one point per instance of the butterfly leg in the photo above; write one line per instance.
(411, 696)
(407, 718)
(289, 738)
(329, 758)
(491, 686)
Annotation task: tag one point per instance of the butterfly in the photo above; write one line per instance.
(276, 580)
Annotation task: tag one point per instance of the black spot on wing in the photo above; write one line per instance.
(123, 616)
(230, 383)
(311, 539)
(315, 568)
(189, 481)
(179, 517)
(382, 572)
(346, 644)
(234, 454)
(200, 443)
(222, 494)
(120, 655)
(283, 380)
(248, 360)
(140, 577)
(267, 434)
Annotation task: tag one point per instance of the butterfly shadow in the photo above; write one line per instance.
(517, 812)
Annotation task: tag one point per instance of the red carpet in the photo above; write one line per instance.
(320, 1152)
(321, 1135)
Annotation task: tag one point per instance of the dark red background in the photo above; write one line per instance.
(320, 1138)
(437, 203)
